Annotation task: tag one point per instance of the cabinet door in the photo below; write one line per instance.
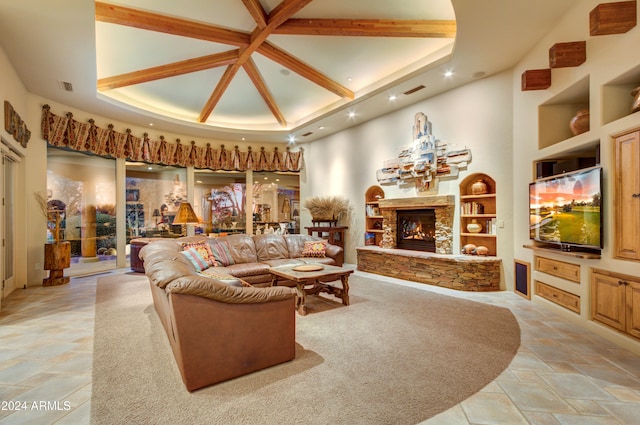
(608, 300)
(627, 196)
(633, 308)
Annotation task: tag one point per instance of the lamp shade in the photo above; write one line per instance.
(156, 213)
(186, 215)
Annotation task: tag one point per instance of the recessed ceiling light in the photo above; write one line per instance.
(448, 74)
(349, 79)
(352, 114)
(284, 71)
(150, 124)
(243, 138)
(266, 178)
(392, 97)
(321, 127)
(292, 139)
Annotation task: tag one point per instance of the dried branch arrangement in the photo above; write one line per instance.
(326, 207)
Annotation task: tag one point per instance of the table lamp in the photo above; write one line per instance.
(184, 216)
(156, 214)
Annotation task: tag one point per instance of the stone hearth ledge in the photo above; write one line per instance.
(461, 272)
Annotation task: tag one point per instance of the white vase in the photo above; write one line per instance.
(474, 226)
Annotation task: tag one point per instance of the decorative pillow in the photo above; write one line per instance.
(221, 253)
(203, 249)
(196, 259)
(314, 248)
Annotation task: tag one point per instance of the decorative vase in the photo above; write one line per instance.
(635, 107)
(580, 122)
(482, 250)
(474, 226)
(469, 249)
(479, 187)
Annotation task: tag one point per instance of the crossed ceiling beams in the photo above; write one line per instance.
(278, 21)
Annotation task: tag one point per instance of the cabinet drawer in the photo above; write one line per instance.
(558, 296)
(557, 268)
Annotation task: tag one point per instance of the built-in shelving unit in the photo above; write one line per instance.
(373, 216)
(478, 208)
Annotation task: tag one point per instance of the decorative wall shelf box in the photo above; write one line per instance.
(536, 79)
(612, 18)
(563, 55)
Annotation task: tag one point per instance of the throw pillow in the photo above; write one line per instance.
(221, 253)
(196, 259)
(203, 249)
(314, 249)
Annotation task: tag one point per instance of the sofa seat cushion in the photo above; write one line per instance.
(318, 260)
(283, 262)
(213, 273)
(247, 269)
(218, 291)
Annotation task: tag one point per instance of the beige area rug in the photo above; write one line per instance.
(396, 355)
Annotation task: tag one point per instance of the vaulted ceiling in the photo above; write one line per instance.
(262, 70)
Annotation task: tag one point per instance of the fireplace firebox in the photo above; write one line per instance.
(416, 229)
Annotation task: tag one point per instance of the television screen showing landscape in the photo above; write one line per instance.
(566, 209)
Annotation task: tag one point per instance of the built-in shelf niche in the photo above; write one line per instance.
(616, 95)
(555, 114)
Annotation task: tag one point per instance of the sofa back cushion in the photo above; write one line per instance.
(271, 247)
(241, 248)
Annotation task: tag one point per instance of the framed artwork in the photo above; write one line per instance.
(295, 209)
(133, 195)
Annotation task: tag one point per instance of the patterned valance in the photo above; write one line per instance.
(65, 132)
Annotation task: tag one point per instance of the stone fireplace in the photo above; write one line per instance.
(416, 229)
(442, 207)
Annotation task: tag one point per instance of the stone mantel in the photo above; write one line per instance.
(417, 202)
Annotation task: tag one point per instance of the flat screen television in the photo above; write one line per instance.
(566, 209)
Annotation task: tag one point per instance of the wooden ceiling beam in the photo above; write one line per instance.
(272, 52)
(255, 76)
(169, 70)
(257, 12)
(368, 28)
(222, 86)
(161, 23)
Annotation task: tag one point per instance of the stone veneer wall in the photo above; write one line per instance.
(465, 273)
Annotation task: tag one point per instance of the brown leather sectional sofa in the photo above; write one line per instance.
(220, 329)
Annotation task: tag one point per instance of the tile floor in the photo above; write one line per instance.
(562, 374)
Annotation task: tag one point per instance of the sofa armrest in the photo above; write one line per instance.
(336, 252)
(222, 292)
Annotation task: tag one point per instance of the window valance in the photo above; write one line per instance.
(65, 132)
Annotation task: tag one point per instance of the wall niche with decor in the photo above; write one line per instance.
(478, 226)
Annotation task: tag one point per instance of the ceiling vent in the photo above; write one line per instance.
(308, 133)
(66, 86)
(413, 90)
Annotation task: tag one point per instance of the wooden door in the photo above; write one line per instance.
(627, 196)
(608, 300)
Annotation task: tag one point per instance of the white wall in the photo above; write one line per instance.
(477, 116)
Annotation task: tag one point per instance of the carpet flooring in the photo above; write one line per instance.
(396, 355)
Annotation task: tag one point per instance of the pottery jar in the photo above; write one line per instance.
(580, 122)
(635, 107)
(479, 187)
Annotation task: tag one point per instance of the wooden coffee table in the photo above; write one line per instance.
(312, 282)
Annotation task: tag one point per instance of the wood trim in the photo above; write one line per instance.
(369, 28)
(251, 70)
(169, 70)
(155, 22)
(257, 12)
